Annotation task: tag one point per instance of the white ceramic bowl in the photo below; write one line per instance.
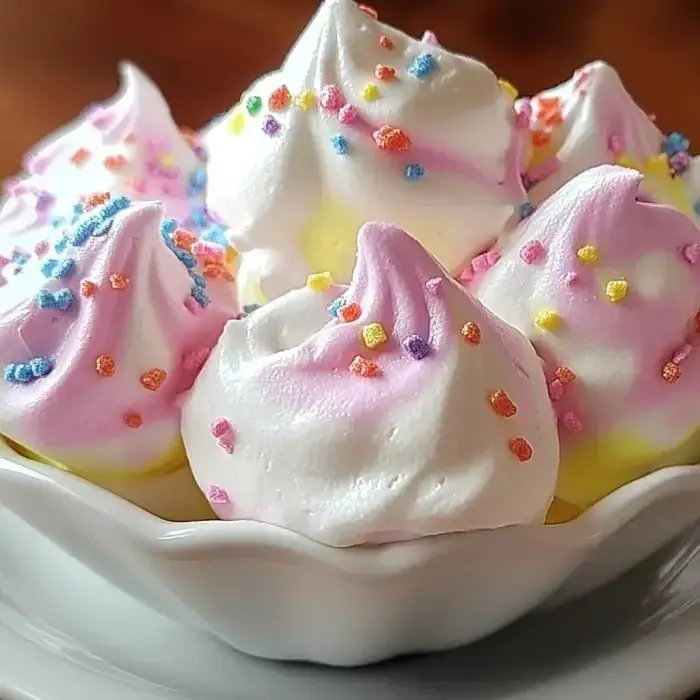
(275, 594)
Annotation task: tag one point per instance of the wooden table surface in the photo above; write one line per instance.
(56, 56)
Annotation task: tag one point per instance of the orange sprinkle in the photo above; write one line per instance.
(213, 270)
(280, 99)
(349, 313)
(386, 43)
(130, 138)
(80, 156)
(364, 367)
(471, 333)
(501, 404)
(391, 138)
(565, 374)
(183, 239)
(547, 104)
(385, 72)
(133, 419)
(521, 448)
(87, 288)
(697, 322)
(540, 138)
(114, 162)
(118, 281)
(369, 10)
(96, 200)
(153, 379)
(105, 366)
(671, 372)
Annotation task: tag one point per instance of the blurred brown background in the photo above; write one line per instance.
(56, 56)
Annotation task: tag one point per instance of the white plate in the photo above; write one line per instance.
(636, 639)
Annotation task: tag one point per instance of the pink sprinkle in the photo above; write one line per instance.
(155, 147)
(192, 306)
(480, 263)
(218, 495)
(99, 117)
(36, 164)
(572, 422)
(209, 249)
(466, 275)
(226, 443)
(434, 285)
(194, 361)
(3, 281)
(532, 252)
(692, 253)
(493, 256)
(138, 185)
(430, 38)
(556, 389)
(220, 427)
(581, 78)
(4, 261)
(41, 248)
(331, 98)
(348, 114)
(682, 353)
(571, 279)
(524, 114)
(680, 162)
(617, 144)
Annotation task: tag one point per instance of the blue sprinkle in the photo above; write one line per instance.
(47, 269)
(216, 234)
(78, 209)
(198, 182)
(63, 268)
(198, 214)
(249, 308)
(168, 227)
(198, 280)
(22, 260)
(200, 296)
(9, 372)
(341, 145)
(46, 300)
(696, 207)
(103, 229)
(23, 373)
(63, 299)
(61, 245)
(675, 143)
(335, 306)
(187, 259)
(58, 221)
(414, 171)
(83, 231)
(40, 367)
(113, 206)
(423, 65)
(526, 209)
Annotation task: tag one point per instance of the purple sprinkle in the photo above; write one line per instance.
(270, 125)
(416, 347)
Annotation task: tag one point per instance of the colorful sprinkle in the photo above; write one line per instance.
(565, 374)
(471, 333)
(540, 138)
(280, 99)
(118, 281)
(501, 404)
(133, 420)
(416, 346)
(253, 104)
(340, 145)
(87, 288)
(331, 98)
(386, 43)
(236, 123)
(481, 263)
(671, 372)
(391, 138)
(96, 200)
(374, 335)
(682, 354)
(320, 282)
(194, 361)
(348, 114)
(369, 11)
(270, 125)
(532, 252)
(305, 100)
(571, 278)
(434, 285)
(521, 448)
(691, 253)
(218, 495)
(675, 143)
(548, 320)
(572, 423)
(61, 300)
(153, 379)
(680, 162)
(112, 163)
(587, 254)
(617, 144)
(335, 306)
(58, 269)
(508, 88)
(385, 73)
(414, 171)
(556, 389)
(220, 427)
(80, 157)
(364, 367)
(349, 313)
(370, 92)
(526, 209)
(422, 65)
(616, 290)
(105, 366)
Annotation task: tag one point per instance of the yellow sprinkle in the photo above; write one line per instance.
(508, 88)
(319, 282)
(548, 320)
(626, 160)
(374, 335)
(305, 100)
(167, 160)
(657, 165)
(616, 290)
(587, 254)
(236, 122)
(370, 92)
(231, 255)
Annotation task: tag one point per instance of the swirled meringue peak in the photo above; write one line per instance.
(362, 122)
(592, 120)
(102, 328)
(607, 288)
(127, 146)
(392, 409)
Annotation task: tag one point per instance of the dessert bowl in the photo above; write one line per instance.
(275, 594)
